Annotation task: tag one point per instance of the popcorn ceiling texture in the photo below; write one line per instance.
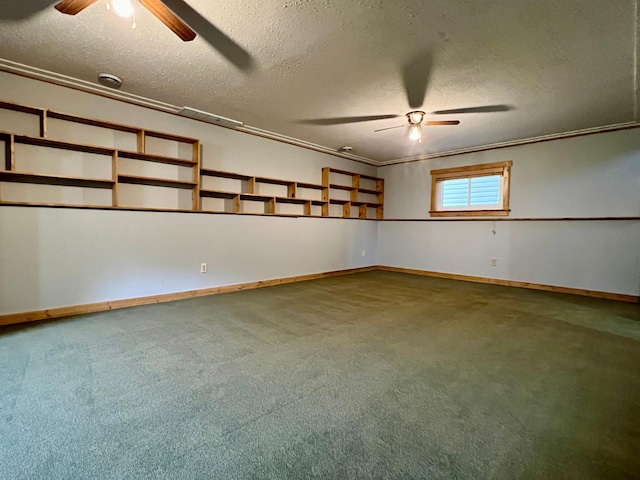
(564, 66)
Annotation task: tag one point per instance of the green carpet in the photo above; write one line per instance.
(372, 375)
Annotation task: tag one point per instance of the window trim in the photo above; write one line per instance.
(486, 169)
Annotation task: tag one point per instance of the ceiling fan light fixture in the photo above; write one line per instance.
(123, 8)
(415, 133)
(416, 117)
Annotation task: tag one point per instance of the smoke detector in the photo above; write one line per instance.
(345, 149)
(109, 80)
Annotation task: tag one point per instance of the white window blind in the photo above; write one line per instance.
(471, 192)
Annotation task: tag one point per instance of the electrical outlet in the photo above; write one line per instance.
(203, 268)
(493, 262)
(363, 252)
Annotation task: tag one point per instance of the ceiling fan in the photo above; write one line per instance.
(416, 75)
(126, 8)
(171, 13)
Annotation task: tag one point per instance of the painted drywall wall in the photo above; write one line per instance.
(61, 257)
(590, 176)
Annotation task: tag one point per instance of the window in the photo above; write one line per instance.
(473, 190)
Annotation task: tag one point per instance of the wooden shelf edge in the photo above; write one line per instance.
(150, 157)
(170, 137)
(221, 174)
(92, 122)
(21, 108)
(311, 186)
(217, 194)
(273, 181)
(62, 145)
(118, 126)
(337, 186)
(299, 201)
(155, 182)
(35, 178)
(369, 191)
(353, 174)
(163, 210)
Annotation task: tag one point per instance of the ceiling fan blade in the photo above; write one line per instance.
(483, 109)
(443, 122)
(233, 52)
(20, 10)
(343, 120)
(389, 128)
(416, 74)
(166, 16)
(71, 7)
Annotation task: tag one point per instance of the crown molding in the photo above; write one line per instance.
(514, 143)
(97, 89)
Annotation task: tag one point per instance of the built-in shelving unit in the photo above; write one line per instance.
(249, 192)
(365, 192)
(273, 196)
(14, 173)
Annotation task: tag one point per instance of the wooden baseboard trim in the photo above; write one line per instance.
(53, 313)
(513, 283)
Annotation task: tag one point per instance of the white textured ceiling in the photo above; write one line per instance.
(563, 65)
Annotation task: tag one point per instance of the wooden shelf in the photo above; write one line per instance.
(119, 127)
(256, 198)
(354, 193)
(12, 165)
(367, 190)
(94, 123)
(313, 186)
(221, 174)
(351, 174)
(342, 187)
(287, 195)
(21, 108)
(273, 181)
(156, 182)
(217, 194)
(148, 157)
(269, 201)
(170, 137)
(299, 201)
(76, 147)
(34, 178)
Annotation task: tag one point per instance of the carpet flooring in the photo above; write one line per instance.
(371, 375)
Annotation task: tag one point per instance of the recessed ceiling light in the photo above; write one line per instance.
(109, 80)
